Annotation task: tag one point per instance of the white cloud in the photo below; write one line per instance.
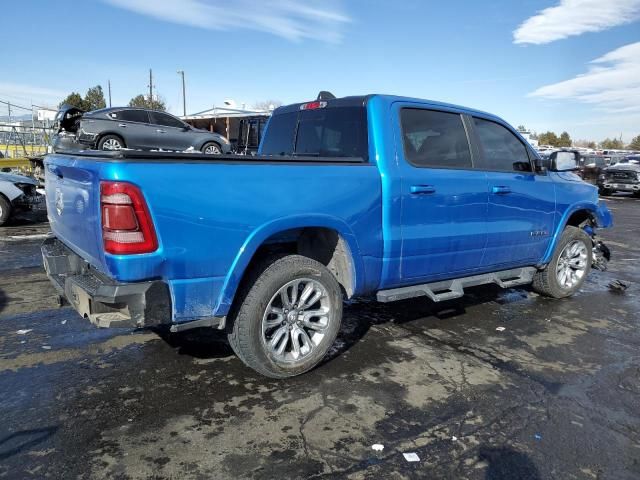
(290, 19)
(575, 17)
(611, 83)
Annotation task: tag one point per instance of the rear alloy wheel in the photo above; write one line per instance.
(288, 316)
(211, 148)
(5, 210)
(110, 142)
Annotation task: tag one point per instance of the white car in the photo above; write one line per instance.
(17, 193)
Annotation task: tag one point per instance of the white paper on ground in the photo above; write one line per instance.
(411, 457)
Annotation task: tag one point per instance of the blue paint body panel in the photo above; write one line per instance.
(212, 216)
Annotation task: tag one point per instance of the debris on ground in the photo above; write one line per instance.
(63, 322)
(377, 447)
(454, 439)
(46, 347)
(537, 436)
(411, 457)
(24, 332)
(500, 329)
(618, 286)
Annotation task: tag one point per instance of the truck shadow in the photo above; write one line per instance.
(505, 463)
(359, 316)
(3, 300)
(24, 440)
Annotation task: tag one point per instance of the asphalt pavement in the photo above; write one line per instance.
(502, 384)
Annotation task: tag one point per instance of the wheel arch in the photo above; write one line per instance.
(325, 239)
(577, 215)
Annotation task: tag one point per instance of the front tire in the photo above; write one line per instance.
(211, 148)
(111, 142)
(287, 317)
(5, 210)
(569, 266)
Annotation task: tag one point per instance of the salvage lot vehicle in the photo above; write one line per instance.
(621, 177)
(133, 128)
(17, 194)
(377, 194)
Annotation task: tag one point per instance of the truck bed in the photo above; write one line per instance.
(211, 213)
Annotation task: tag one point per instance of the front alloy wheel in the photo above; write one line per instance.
(572, 264)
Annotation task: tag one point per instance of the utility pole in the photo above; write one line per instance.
(184, 95)
(9, 110)
(109, 86)
(150, 86)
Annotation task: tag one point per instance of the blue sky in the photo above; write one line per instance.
(547, 64)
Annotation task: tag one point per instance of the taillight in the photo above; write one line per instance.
(126, 223)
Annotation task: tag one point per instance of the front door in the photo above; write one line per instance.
(522, 203)
(444, 200)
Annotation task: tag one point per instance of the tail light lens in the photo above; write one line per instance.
(126, 223)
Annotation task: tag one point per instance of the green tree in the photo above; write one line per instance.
(522, 128)
(548, 138)
(94, 99)
(591, 145)
(75, 100)
(611, 144)
(564, 140)
(141, 101)
(635, 143)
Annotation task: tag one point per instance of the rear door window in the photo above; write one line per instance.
(339, 132)
(140, 116)
(159, 118)
(434, 139)
(502, 150)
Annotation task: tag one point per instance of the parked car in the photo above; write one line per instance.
(392, 196)
(621, 177)
(591, 167)
(17, 194)
(134, 128)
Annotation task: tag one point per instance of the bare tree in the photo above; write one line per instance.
(267, 105)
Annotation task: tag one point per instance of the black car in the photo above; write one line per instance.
(133, 128)
(622, 177)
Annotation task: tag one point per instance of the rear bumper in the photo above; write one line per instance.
(105, 302)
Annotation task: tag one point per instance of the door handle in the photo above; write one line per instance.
(422, 189)
(123, 125)
(501, 189)
(161, 131)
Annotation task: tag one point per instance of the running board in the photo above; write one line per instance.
(449, 289)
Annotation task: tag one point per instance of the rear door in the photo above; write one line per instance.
(444, 200)
(522, 203)
(133, 126)
(170, 132)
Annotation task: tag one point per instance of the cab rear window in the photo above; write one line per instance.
(339, 132)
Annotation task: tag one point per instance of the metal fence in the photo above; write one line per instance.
(18, 141)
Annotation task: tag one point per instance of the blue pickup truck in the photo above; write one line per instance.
(392, 196)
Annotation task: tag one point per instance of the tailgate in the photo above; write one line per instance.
(72, 185)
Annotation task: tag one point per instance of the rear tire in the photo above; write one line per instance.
(211, 148)
(569, 266)
(5, 210)
(111, 142)
(282, 339)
